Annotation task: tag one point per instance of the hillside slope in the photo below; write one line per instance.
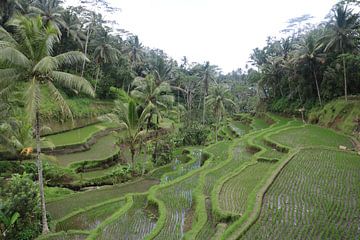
(339, 115)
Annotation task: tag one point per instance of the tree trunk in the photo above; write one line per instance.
(345, 80)
(132, 150)
(204, 109)
(145, 159)
(97, 77)
(85, 50)
(45, 227)
(317, 85)
(217, 129)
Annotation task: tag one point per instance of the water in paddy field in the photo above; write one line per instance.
(178, 199)
(135, 224)
(182, 169)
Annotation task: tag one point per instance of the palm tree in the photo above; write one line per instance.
(147, 91)
(218, 100)
(126, 115)
(208, 75)
(9, 7)
(343, 35)
(73, 24)
(308, 51)
(51, 13)
(104, 53)
(135, 51)
(27, 54)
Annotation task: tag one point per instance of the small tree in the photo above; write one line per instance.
(127, 116)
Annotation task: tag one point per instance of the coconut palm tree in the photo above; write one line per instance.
(51, 13)
(73, 24)
(148, 92)
(343, 35)
(135, 51)
(27, 54)
(308, 52)
(208, 75)
(104, 53)
(218, 100)
(10, 7)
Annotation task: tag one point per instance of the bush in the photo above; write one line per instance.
(163, 150)
(21, 195)
(121, 173)
(193, 135)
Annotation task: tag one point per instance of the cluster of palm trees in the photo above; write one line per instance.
(309, 64)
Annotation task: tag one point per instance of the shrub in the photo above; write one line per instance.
(195, 134)
(21, 195)
(121, 173)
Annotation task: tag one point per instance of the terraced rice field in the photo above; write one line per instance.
(259, 123)
(60, 208)
(104, 148)
(76, 136)
(135, 224)
(311, 135)
(91, 218)
(239, 128)
(234, 193)
(178, 200)
(316, 196)
(66, 236)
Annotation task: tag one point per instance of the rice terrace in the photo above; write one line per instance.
(102, 137)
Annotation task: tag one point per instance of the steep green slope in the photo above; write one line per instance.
(339, 115)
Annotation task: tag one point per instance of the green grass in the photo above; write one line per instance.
(259, 123)
(104, 148)
(98, 173)
(53, 193)
(60, 208)
(338, 114)
(311, 135)
(316, 196)
(91, 218)
(78, 136)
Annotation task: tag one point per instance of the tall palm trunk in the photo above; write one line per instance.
(85, 50)
(344, 72)
(45, 227)
(317, 84)
(204, 109)
(97, 78)
(217, 128)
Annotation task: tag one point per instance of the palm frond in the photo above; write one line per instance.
(60, 100)
(8, 74)
(14, 57)
(120, 94)
(132, 114)
(46, 65)
(73, 82)
(6, 36)
(71, 58)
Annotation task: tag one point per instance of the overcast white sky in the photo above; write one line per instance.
(221, 31)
